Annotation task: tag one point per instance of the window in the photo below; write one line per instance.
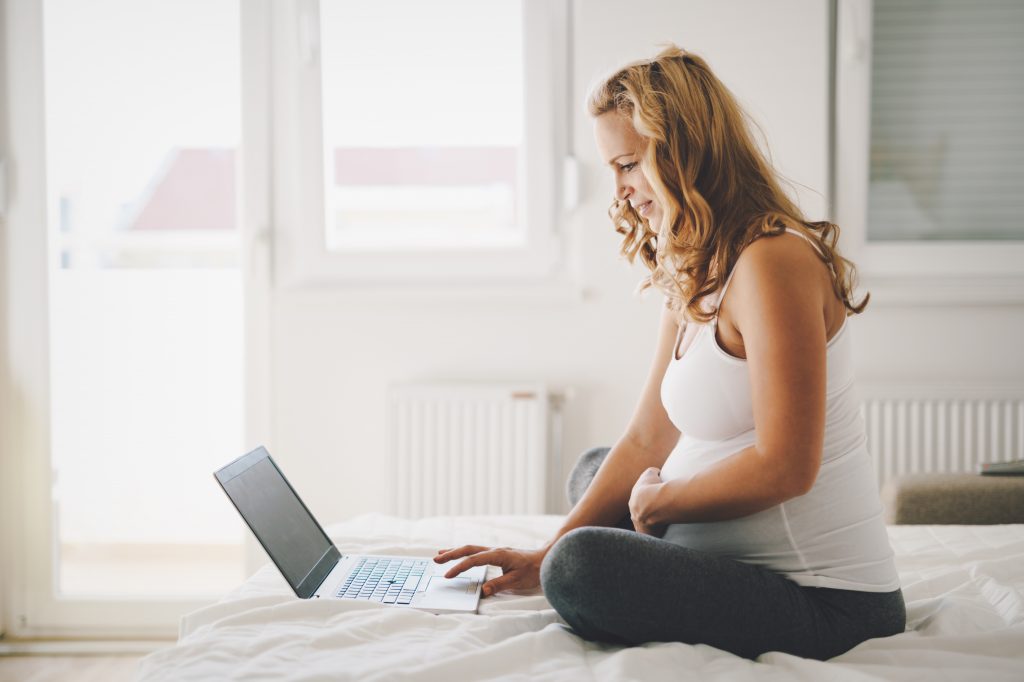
(930, 144)
(440, 164)
(947, 121)
(422, 141)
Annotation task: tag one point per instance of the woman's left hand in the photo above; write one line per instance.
(641, 502)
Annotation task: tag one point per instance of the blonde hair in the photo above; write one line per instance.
(716, 190)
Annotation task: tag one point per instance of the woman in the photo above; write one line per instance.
(739, 508)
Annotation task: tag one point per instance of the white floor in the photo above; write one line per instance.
(68, 668)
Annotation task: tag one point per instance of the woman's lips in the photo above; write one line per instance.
(644, 208)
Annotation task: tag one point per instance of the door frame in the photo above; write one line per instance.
(29, 607)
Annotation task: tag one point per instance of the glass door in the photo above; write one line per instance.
(143, 334)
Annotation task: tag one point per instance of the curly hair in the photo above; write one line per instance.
(717, 191)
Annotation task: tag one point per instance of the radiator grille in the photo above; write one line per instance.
(469, 449)
(945, 434)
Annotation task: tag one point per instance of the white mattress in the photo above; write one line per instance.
(964, 587)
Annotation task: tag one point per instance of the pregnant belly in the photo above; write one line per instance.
(757, 538)
(692, 455)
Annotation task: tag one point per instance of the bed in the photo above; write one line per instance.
(964, 587)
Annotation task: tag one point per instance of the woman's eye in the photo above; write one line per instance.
(628, 167)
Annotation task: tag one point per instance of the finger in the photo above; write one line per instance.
(445, 555)
(479, 559)
(502, 582)
(465, 549)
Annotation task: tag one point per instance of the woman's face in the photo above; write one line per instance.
(621, 147)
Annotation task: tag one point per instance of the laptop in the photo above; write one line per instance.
(313, 566)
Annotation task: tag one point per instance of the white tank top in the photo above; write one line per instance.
(832, 536)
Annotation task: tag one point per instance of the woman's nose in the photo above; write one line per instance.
(622, 192)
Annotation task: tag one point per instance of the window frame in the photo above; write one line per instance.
(301, 256)
(900, 272)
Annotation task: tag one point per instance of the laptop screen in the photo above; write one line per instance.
(278, 519)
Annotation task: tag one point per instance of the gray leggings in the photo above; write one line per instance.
(616, 585)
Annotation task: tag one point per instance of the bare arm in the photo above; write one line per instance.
(647, 442)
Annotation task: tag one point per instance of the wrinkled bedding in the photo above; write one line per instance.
(964, 587)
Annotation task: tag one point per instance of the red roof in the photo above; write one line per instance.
(196, 192)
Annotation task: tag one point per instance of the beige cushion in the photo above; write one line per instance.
(953, 499)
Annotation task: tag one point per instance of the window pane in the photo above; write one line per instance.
(142, 128)
(423, 108)
(947, 121)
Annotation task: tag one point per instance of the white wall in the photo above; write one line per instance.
(334, 353)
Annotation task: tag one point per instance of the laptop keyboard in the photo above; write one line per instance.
(389, 581)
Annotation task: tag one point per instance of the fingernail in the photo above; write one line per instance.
(487, 591)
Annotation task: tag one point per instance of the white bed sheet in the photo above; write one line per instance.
(964, 587)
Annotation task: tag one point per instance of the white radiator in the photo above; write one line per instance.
(470, 449)
(921, 432)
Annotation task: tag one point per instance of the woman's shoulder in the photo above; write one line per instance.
(781, 272)
(779, 262)
(783, 251)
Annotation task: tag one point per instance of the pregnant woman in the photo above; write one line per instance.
(739, 508)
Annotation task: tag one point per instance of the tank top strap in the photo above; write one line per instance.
(809, 240)
(816, 246)
(721, 294)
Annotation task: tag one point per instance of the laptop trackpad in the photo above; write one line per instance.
(441, 587)
(453, 595)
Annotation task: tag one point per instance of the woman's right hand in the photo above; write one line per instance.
(520, 567)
